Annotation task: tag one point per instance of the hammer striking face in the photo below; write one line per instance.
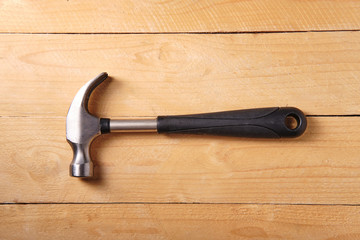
(82, 127)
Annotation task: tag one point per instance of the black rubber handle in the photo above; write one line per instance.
(254, 123)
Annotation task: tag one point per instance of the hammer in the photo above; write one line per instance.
(82, 127)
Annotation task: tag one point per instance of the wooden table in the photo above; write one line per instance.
(178, 57)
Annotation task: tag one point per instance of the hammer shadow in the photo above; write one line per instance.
(103, 141)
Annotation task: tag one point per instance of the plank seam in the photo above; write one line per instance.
(64, 117)
(179, 203)
(170, 33)
(336, 115)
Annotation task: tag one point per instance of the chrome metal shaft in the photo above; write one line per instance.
(133, 125)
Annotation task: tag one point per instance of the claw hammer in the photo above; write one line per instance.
(82, 127)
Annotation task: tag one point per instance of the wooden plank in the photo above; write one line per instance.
(164, 221)
(178, 16)
(178, 74)
(320, 167)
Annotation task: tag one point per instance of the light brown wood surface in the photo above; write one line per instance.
(178, 74)
(179, 221)
(178, 16)
(322, 167)
(190, 57)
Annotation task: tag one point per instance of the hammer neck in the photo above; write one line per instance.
(133, 125)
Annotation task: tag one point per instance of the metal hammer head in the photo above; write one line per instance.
(82, 128)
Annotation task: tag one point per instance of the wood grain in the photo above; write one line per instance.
(178, 74)
(306, 188)
(177, 16)
(154, 221)
(321, 167)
